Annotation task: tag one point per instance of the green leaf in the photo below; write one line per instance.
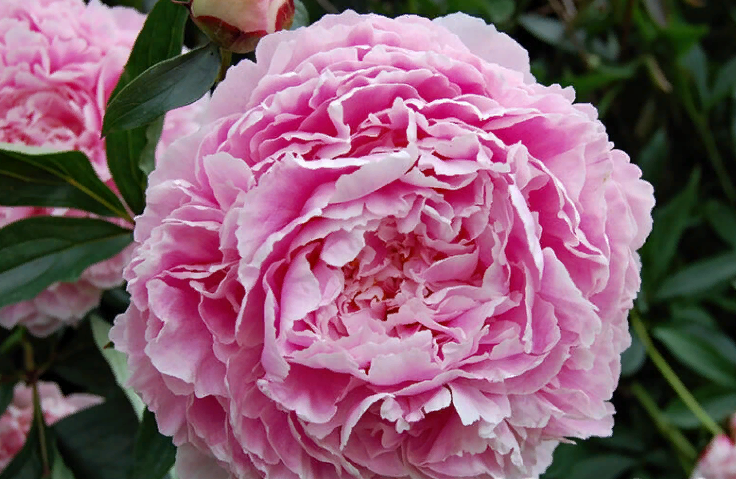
(670, 223)
(28, 463)
(683, 36)
(699, 277)
(59, 469)
(719, 405)
(301, 15)
(722, 219)
(701, 355)
(81, 363)
(549, 30)
(693, 315)
(733, 125)
(97, 443)
(603, 466)
(499, 11)
(36, 177)
(653, 156)
(6, 395)
(13, 341)
(165, 86)
(565, 458)
(696, 64)
(725, 83)
(656, 11)
(116, 360)
(154, 452)
(604, 75)
(39, 251)
(148, 155)
(633, 358)
(624, 438)
(162, 37)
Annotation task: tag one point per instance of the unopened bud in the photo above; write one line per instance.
(237, 25)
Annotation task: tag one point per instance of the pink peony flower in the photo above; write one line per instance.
(718, 460)
(389, 253)
(16, 421)
(60, 60)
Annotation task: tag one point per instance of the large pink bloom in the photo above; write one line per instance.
(389, 253)
(16, 421)
(59, 62)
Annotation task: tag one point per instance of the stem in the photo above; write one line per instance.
(226, 57)
(671, 377)
(38, 415)
(678, 440)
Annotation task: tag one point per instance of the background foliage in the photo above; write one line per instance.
(663, 76)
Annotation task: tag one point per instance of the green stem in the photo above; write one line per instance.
(687, 452)
(226, 58)
(671, 377)
(38, 415)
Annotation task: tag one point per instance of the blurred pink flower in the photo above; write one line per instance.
(388, 253)
(718, 460)
(16, 421)
(60, 61)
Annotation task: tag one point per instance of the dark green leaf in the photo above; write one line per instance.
(719, 405)
(699, 354)
(547, 29)
(682, 36)
(161, 38)
(565, 458)
(733, 125)
(699, 277)
(601, 77)
(39, 251)
(657, 11)
(28, 463)
(13, 341)
(696, 64)
(148, 155)
(115, 301)
(59, 469)
(722, 219)
(301, 15)
(81, 363)
(693, 315)
(633, 358)
(36, 177)
(624, 439)
(653, 156)
(499, 11)
(725, 83)
(6, 395)
(97, 443)
(117, 361)
(603, 466)
(165, 86)
(670, 223)
(154, 452)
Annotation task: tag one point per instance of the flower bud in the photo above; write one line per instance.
(237, 25)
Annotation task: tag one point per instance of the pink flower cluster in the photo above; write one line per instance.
(16, 421)
(59, 62)
(718, 461)
(388, 253)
